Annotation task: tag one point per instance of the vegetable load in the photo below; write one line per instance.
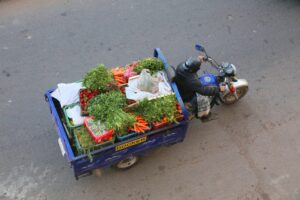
(140, 126)
(110, 113)
(97, 130)
(85, 144)
(152, 64)
(155, 110)
(129, 72)
(98, 78)
(108, 108)
(118, 74)
(84, 96)
(84, 138)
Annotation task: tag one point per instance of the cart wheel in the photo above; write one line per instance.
(127, 162)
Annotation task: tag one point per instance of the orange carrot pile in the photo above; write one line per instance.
(120, 80)
(118, 73)
(140, 126)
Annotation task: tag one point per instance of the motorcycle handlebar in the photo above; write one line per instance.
(213, 63)
(205, 58)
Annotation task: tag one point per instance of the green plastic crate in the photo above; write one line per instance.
(70, 126)
(92, 146)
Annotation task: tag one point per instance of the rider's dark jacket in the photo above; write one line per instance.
(188, 84)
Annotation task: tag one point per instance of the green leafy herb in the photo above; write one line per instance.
(84, 138)
(120, 121)
(154, 110)
(98, 78)
(153, 64)
(106, 104)
(107, 108)
(86, 142)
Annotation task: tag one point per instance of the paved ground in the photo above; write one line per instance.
(252, 152)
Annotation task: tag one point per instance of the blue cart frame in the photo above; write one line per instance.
(110, 155)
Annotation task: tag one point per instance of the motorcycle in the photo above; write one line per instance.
(235, 88)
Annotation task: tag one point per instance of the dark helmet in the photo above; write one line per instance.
(192, 65)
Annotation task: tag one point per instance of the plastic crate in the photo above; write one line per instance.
(157, 125)
(68, 120)
(83, 132)
(105, 135)
(127, 136)
(69, 134)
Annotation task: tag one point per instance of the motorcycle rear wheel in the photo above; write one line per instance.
(231, 99)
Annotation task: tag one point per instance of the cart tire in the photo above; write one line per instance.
(127, 162)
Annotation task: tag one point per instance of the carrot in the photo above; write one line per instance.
(134, 126)
(138, 130)
(120, 80)
(142, 123)
(165, 119)
(140, 126)
(118, 71)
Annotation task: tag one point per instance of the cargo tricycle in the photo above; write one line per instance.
(121, 154)
(124, 153)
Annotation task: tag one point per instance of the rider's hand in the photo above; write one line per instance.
(222, 87)
(201, 58)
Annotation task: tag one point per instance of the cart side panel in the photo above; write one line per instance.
(111, 156)
(59, 127)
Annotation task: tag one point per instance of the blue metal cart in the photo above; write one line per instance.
(123, 154)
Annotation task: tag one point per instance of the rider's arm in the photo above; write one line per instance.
(204, 90)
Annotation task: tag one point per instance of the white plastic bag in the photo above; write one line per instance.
(146, 82)
(67, 93)
(74, 113)
(164, 87)
(132, 92)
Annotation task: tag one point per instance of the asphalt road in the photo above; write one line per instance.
(251, 152)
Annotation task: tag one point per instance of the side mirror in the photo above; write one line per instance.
(198, 47)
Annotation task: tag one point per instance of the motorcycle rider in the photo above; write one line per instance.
(193, 93)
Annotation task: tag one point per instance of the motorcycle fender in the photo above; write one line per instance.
(237, 84)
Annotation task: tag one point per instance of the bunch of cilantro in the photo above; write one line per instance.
(108, 108)
(153, 64)
(98, 78)
(155, 110)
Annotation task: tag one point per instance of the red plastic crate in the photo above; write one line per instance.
(162, 123)
(157, 125)
(98, 134)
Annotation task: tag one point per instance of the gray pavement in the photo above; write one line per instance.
(251, 152)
